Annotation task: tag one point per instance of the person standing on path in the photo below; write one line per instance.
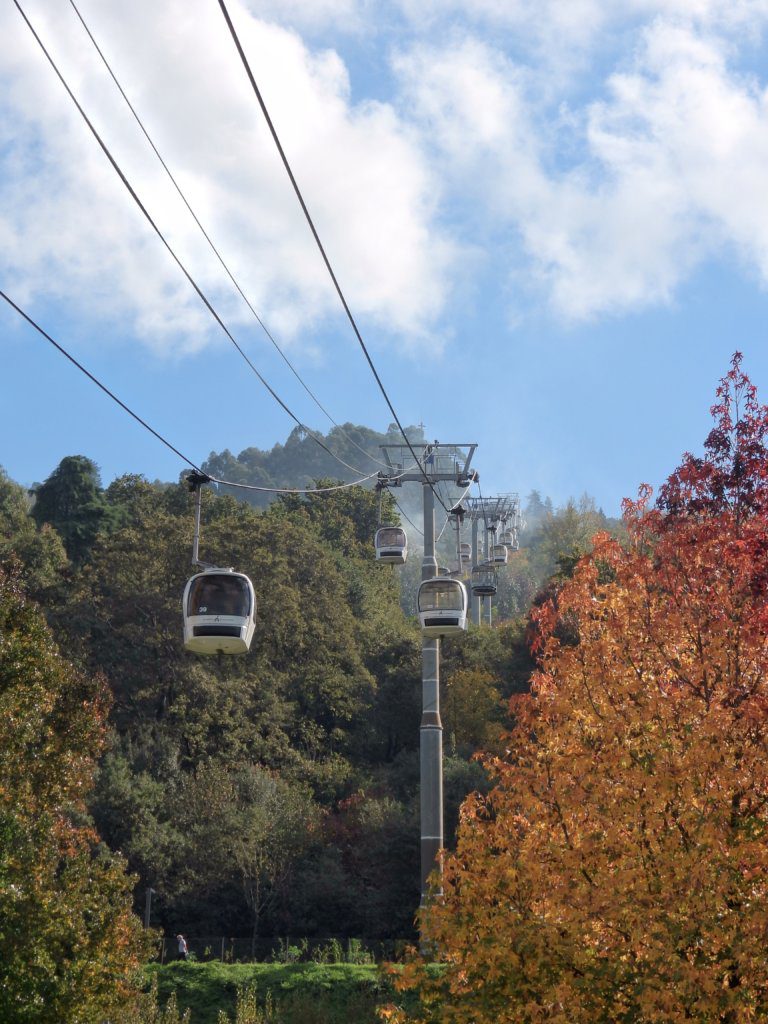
(182, 947)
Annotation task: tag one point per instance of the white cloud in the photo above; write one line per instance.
(342, 16)
(578, 20)
(578, 23)
(567, 44)
(680, 147)
(603, 193)
(70, 231)
(665, 171)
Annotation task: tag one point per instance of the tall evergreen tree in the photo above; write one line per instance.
(71, 500)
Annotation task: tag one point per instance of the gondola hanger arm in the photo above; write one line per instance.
(196, 481)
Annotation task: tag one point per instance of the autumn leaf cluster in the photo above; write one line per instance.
(618, 869)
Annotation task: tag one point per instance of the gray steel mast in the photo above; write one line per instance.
(437, 462)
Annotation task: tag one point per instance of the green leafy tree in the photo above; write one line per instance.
(536, 510)
(274, 824)
(241, 831)
(566, 534)
(69, 944)
(39, 549)
(471, 710)
(375, 840)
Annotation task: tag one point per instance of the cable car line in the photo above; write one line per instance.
(482, 506)
(405, 517)
(97, 382)
(448, 511)
(397, 503)
(206, 302)
(184, 458)
(294, 490)
(213, 247)
(448, 517)
(316, 236)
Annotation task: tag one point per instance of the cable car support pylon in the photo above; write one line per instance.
(442, 611)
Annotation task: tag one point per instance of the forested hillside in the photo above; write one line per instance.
(301, 460)
(552, 539)
(276, 793)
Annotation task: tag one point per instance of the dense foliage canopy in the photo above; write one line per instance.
(617, 869)
(277, 793)
(69, 945)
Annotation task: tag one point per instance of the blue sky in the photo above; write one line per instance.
(550, 219)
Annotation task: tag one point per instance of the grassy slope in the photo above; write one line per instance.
(306, 992)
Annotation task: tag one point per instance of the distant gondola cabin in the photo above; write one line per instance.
(484, 583)
(499, 554)
(391, 545)
(509, 540)
(219, 612)
(442, 604)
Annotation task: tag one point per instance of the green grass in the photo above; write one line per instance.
(303, 993)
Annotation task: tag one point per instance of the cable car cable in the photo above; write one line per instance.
(184, 458)
(448, 517)
(97, 382)
(482, 506)
(397, 503)
(407, 519)
(206, 302)
(294, 490)
(316, 236)
(213, 247)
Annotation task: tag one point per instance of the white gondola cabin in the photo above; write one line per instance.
(484, 581)
(509, 540)
(442, 604)
(498, 554)
(219, 612)
(391, 545)
(465, 552)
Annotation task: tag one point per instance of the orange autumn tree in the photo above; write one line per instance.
(618, 869)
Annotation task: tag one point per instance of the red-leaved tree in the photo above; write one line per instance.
(618, 870)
